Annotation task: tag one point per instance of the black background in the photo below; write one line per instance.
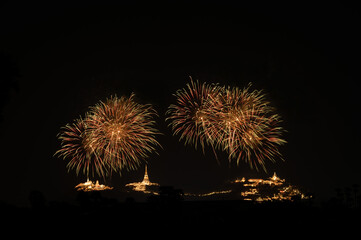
(59, 58)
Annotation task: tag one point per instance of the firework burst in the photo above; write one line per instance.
(116, 134)
(238, 121)
(192, 117)
(123, 131)
(75, 145)
(249, 127)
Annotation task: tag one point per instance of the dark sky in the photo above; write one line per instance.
(58, 59)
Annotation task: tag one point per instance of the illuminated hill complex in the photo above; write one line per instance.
(271, 189)
(259, 190)
(253, 189)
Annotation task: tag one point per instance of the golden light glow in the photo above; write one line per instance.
(89, 186)
(142, 186)
(207, 194)
(281, 190)
(257, 190)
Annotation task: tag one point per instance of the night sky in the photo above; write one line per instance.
(58, 59)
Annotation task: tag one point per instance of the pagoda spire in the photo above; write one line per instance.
(275, 177)
(146, 178)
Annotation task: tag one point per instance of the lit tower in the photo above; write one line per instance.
(146, 178)
(142, 186)
(275, 180)
(274, 177)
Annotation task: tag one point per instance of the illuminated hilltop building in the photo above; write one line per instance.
(144, 186)
(89, 186)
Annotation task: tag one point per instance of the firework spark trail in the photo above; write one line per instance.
(238, 121)
(123, 130)
(252, 131)
(191, 117)
(75, 146)
(116, 134)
